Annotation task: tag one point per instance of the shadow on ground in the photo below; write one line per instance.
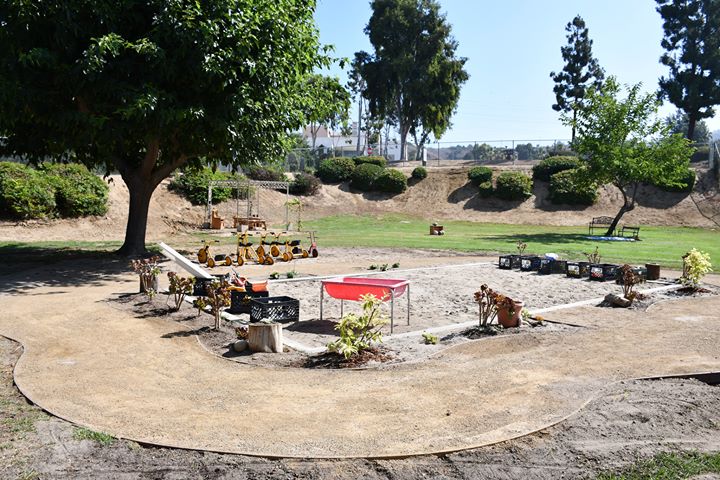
(26, 266)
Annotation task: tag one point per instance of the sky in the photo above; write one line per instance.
(511, 47)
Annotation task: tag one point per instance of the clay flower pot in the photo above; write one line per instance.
(510, 319)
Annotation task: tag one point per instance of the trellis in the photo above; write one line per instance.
(248, 185)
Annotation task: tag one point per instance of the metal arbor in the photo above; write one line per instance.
(252, 206)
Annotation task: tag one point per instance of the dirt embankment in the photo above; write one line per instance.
(444, 195)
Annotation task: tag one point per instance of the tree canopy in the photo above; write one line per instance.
(328, 103)
(580, 72)
(692, 44)
(621, 141)
(147, 86)
(679, 123)
(413, 79)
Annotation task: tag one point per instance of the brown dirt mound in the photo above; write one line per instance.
(444, 195)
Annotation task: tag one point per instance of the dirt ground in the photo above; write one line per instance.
(444, 195)
(630, 421)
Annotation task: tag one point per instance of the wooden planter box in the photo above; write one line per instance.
(530, 264)
(578, 269)
(604, 271)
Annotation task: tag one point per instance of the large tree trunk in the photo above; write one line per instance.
(628, 205)
(692, 121)
(141, 190)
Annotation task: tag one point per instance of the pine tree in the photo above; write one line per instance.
(580, 72)
(692, 44)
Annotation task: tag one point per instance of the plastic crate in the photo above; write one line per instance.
(200, 287)
(505, 262)
(240, 301)
(277, 309)
(578, 269)
(560, 266)
(529, 264)
(604, 271)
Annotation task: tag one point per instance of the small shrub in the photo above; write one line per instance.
(696, 265)
(629, 280)
(148, 270)
(478, 175)
(430, 339)
(25, 192)
(364, 176)
(193, 185)
(336, 169)
(391, 181)
(218, 297)
(485, 189)
(357, 333)
(78, 192)
(513, 186)
(81, 433)
(379, 161)
(179, 288)
(687, 182)
(419, 173)
(264, 173)
(564, 188)
(552, 165)
(304, 184)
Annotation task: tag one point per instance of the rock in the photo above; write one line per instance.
(240, 346)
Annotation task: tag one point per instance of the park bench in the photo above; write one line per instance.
(599, 223)
(630, 232)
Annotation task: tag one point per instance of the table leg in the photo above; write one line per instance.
(322, 293)
(342, 308)
(408, 312)
(392, 310)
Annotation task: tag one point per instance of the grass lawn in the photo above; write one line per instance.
(664, 245)
(669, 467)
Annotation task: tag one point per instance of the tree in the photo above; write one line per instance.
(147, 86)
(621, 141)
(692, 44)
(356, 84)
(327, 104)
(679, 122)
(413, 79)
(580, 72)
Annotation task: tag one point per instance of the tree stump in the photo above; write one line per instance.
(617, 300)
(265, 337)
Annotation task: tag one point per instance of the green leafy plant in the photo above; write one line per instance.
(419, 173)
(338, 169)
(304, 184)
(291, 274)
(358, 333)
(179, 288)
(373, 267)
(524, 314)
(486, 189)
(396, 265)
(268, 173)
(375, 160)
(552, 165)
(686, 182)
(430, 339)
(566, 188)
(364, 176)
(478, 175)
(25, 192)
(148, 270)
(391, 181)
(513, 186)
(78, 192)
(193, 183)
(82, 433)
(383, 267)
(274, 275)
(696, 264)
(218, 297)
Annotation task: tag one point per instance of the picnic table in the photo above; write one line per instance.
(352, 288)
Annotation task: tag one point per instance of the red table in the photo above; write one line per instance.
(352, 288)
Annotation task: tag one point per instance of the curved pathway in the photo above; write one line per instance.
(145, 379)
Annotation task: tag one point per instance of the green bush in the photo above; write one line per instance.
(478, 175)
(264, 173)
(391, 181)
(25, 192)
(193, 185)
(379, 161)
(336, 169)
(304, 184)
(564, 188)
(687, 181)
(701, 154)
(419, 173)
(485, 189)
(78, 192)
(364, 176)
(513, 186)
(552, 165)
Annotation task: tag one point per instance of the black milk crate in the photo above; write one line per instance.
(200, 287)
(240, 301)
(529, 264)
(546, 266)
(277, 309)
(604, 271)
(505, 262)
(639, 271)
(560, 266)
(578, 269)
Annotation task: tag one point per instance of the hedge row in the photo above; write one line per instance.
(54, 190)
(508, 185)
(552, 165)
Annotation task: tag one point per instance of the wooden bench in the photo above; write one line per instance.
(630, 232)
(599, 223)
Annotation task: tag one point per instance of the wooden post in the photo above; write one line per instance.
(265, 337)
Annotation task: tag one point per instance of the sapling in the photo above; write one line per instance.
(594, 257)
(429, 338)
(521, 246)
(179, 288)
(696, 265)
(629, 279)
(218, 297)
(486, 299)
(148, 270)
(358, 333)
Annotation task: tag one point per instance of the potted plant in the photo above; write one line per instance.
(509, 311)
(148, 271)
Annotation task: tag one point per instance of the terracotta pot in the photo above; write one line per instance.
(510, 319)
